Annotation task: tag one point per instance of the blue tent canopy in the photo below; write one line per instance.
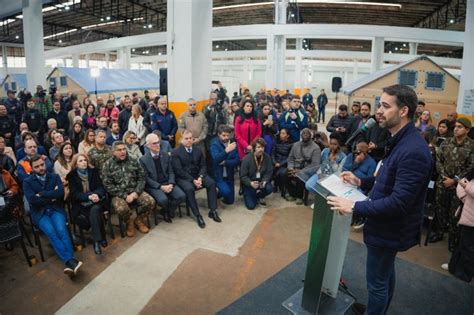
(113, 80)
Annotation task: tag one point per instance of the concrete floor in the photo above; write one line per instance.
(176, 268)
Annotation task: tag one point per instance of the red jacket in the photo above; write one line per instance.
(245, 133)
(114, 114)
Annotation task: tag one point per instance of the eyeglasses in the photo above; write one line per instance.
(357, 152)
(155, 143)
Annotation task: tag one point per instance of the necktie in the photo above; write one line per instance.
(190, 150)
(156, 156)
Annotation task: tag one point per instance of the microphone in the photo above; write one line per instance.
(368, 124)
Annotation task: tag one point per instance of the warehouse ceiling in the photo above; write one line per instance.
(74, 22)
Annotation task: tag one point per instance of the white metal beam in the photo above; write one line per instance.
(244, 32)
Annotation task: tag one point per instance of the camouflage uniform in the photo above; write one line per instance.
(122, 178)
(452, 159)
(98, 157)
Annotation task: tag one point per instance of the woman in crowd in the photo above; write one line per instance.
(443, 132)
(87, 143)
(87, 195)
(232, 112)
(130, 139)
(76, 135)
(280, 153)
(62, 166)
(269, 126)
(20, 152)
(110, 111)
(135, 124)
(461, 263)
(247, 128)
(88, 119)
(332, 160)
(424, 124)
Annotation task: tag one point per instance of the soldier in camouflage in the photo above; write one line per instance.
(454, 160)
(101, 152)
(124, 179)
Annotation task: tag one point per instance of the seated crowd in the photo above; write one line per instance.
(126, 157)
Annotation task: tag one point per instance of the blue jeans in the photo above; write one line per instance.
(251, 196)
(311, 184)
(321, 112)
(226, 190)
(53, 224)
(380, 279)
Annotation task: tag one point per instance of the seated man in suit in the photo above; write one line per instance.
(45, 192)
(224, 160)
(256, 174)
(189, 166)
(115, 134)
(160, 182)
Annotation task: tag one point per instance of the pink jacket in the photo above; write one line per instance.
(245, 133)
(467, 196)
(113, 115)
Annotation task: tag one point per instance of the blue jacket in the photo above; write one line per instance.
(395, 205)
(294, 127)
(218, 154)
(166, 123)
(51, 195)
(110, 139)
(364, 169)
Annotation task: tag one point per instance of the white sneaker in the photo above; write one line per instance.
(445, 266)
(312, 206)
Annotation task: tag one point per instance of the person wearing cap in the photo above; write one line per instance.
(303, 161)
(13, 106)
(454, 160)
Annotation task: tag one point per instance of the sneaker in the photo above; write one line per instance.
(290, 198)
(69, 270)
(262, 202)
(445, 266)
(299, 201)
(312, 206)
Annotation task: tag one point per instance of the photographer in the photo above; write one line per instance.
(43, 101)
(256, 174)
(294, 119)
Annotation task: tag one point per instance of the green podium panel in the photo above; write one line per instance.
(328, 243)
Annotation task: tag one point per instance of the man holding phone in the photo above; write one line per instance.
(224, 160)
(394, 209)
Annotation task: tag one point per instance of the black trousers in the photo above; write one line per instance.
(190, 192)
(295, 186)
(281, 175)
(92, 217)
(169, 202)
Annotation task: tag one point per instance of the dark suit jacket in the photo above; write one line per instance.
(76, 192)
(149, 166)
(51, 195)
(188, 166)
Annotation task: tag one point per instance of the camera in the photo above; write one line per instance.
(42, 93)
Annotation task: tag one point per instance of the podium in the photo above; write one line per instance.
(327, 248)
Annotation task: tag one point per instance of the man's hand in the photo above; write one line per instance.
(254, 184)
(130, 198)
(9, 193)
(198, 183)
(341, 205)
(293, 116)
(277, 165)
(249, 148)
(171, 138)
(231, 147)
(350, 178)
(448, 182)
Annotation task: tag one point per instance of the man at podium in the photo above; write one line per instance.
(394, 209)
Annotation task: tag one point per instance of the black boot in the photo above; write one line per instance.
(97, 248)
(200, 222)
(215, 216)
